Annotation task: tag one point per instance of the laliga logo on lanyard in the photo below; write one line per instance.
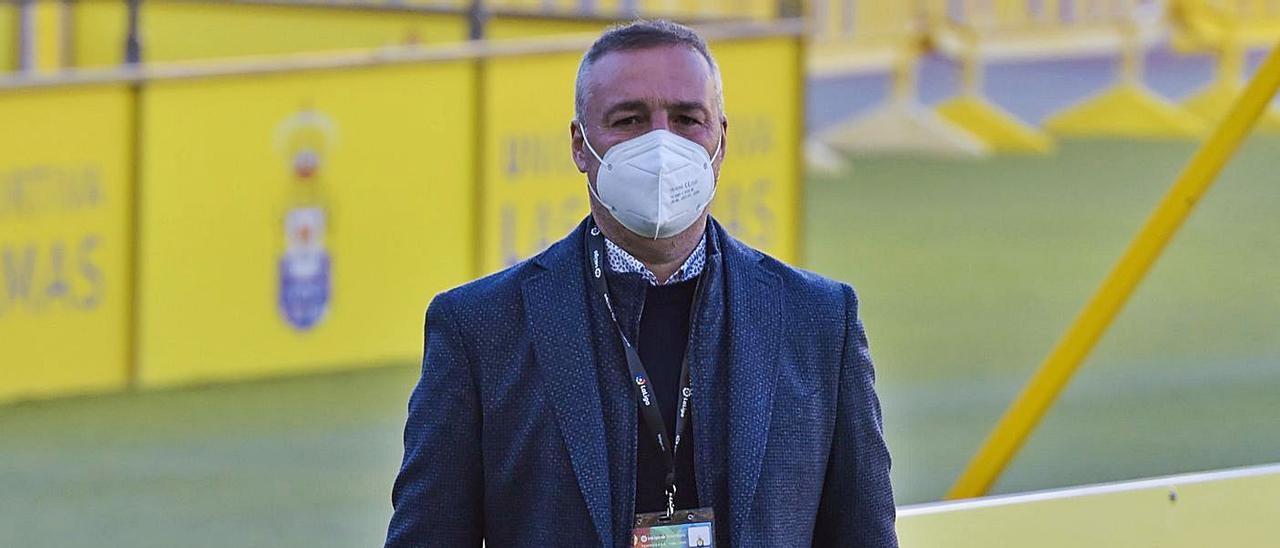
(595, 255)
(644, 390)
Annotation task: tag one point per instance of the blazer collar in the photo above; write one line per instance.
(753, 330)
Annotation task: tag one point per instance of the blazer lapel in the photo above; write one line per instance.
(707, 371)
(556, 307)
(754, 309)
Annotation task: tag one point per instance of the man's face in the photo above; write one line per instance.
(630, 93)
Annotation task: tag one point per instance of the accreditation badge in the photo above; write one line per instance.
(682, 529)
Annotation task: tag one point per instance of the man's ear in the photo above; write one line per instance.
(576, 147)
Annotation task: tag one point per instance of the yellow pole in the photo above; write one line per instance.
(47, 16)
(1030, 406)
(1231, 60)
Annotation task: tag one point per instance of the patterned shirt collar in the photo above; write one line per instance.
(623, 263)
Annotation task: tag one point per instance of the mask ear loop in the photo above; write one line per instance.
(587, 142)
(716, 183)
(590, 188)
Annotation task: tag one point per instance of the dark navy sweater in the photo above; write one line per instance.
(664, 336)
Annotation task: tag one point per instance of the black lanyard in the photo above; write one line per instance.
(595, 248)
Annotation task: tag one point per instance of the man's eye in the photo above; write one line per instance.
(689, 120)
(630, 120)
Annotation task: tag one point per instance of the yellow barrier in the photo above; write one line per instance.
(32, 35)
(295, 214)
(1224, 508)
(502, 27)
(1206, 23)
(1051, 378)
(1229, 29)
(861, 35)
(1013, 29)
(66, 164)
(99, 31)
(532, 195)
(300, 220)
(977, 31)
(447, 4)
(687, 10)
(1129, 108)
(8, 36)
(855, 36)
(48, 20)
(179, 30)
(719, 9)
(901, 124)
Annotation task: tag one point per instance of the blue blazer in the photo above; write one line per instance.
(522, 429)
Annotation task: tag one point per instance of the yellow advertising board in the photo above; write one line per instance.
(300, 221)
(532, 195)
(1222, 508)
(761, 181)
(65, 205)
(179, 30)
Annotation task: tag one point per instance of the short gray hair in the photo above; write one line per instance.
(638, 35)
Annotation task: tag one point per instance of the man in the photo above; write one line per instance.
(648, 373)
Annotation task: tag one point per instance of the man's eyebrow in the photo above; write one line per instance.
(638, 105)
(692, 105)
(625, 105)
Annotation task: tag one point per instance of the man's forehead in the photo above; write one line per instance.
(669, 75)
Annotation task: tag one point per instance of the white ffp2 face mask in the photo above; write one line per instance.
(656, 184)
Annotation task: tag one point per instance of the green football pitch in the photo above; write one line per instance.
(968, 272)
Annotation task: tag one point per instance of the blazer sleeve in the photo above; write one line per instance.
(439, 492)
(856, 509)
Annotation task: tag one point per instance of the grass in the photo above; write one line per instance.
(968, 272)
